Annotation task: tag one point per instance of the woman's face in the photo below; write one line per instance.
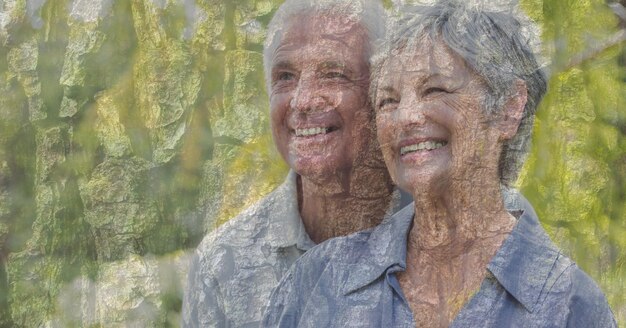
(432, 125)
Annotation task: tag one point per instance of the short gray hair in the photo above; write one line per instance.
(495, 44)
(370, 14)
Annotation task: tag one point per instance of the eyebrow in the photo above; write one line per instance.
(387, 88)
(334, 65)
(445, 80)
(282, 64)
(436, 77)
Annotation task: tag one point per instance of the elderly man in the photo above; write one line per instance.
(316, 62)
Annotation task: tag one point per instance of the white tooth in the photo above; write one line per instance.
(407, 149)
(310, 131)
(426, 145)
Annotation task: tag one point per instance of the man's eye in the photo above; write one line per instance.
(285, 76)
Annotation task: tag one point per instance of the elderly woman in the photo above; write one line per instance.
(455, 94)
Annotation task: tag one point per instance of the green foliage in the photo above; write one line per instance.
(129, 129)
(575, 176)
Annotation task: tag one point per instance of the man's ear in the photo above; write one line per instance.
(513, 110)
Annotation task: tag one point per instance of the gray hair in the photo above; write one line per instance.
(368, 13)
(495, 44)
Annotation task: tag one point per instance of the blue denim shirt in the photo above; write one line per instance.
(236, 267)
(350, 282)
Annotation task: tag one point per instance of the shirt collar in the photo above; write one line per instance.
(384, 248)
(285, 224)
(522, 265)
(525, 260)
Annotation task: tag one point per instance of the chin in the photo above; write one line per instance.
(418, 182)
(315, 168)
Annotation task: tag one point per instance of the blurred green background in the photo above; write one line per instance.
(129, 129)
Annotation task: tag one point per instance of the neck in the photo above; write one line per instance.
(466, 215)
(344, 204)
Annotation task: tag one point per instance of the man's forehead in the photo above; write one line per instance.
(333, 61)
(322, 25)
(317, 46)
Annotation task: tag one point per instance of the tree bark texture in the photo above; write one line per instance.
(130, 129)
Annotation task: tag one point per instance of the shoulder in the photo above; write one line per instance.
(336, 251)
(588, 306)
(313, 276)
(247, 229)
(548, 283)
(321, 262)
(571, 294)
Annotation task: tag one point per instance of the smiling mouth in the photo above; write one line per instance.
(309, 132)
(422, 146)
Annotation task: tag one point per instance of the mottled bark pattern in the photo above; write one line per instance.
(115, 119)
(131, 128)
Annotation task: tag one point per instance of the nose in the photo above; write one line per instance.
(307, 96)
(410, 110)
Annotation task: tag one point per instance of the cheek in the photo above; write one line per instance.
(450, 116)
(348, 98)
(385, 134)
(355, 112)
(279, 105)
(363, 121)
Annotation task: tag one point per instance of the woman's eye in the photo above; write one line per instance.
(434, 90)
(386, 102)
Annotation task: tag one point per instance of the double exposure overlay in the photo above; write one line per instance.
(130, 130)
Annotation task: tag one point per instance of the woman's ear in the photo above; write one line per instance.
(513, 110)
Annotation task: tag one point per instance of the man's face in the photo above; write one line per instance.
(320, 114)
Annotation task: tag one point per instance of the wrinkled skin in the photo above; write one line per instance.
(429, 100)
(323, 124)
(318, 81)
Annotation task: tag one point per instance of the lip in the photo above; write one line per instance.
(313, 145)
(328, 120)
(329, 131)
